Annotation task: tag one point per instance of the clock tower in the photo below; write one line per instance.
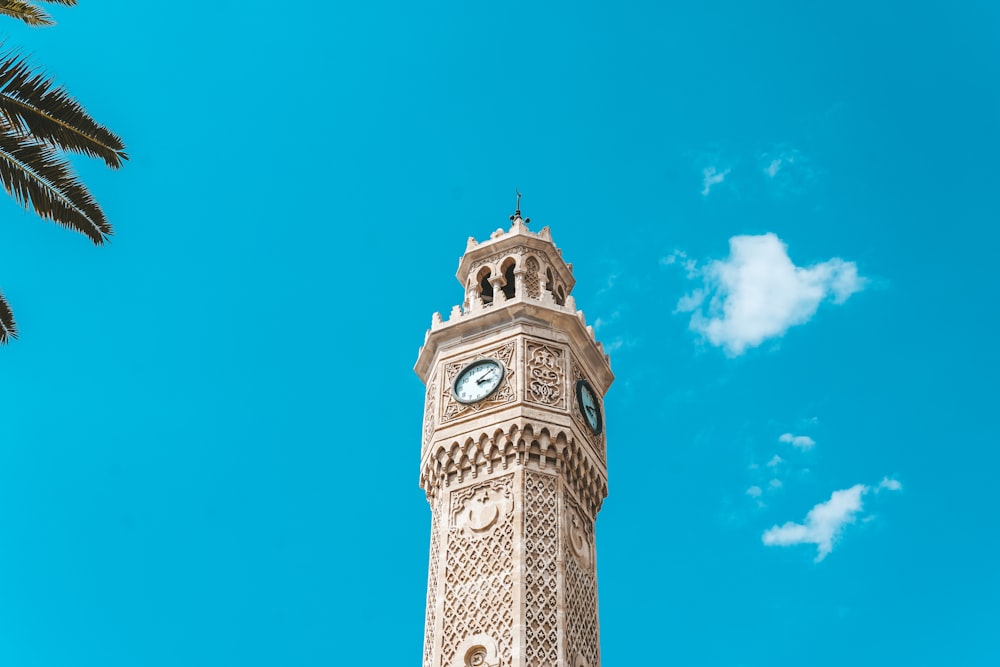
(513, 461)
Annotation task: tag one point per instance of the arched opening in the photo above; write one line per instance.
(485, 287)
(507, 269)
(548, 280)
(561, 296)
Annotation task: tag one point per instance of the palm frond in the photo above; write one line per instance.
(35, 175)
(28, 12)
(25, 11)
(33, 104)
(8, 328)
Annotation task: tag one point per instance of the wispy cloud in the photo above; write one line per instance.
(712, 176)
(758, 293)
(800, 441)
(826, 521)
(823, 523)
(888, 484)
(787, 170)
(680, 257)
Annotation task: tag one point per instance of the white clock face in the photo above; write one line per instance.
(477, 381)
(588, 406)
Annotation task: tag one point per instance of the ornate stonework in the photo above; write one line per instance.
(546, 378)
(478, 586)
(430, 405)
(541, 581)
(532, 281)
(430, 620)
(582, 638)
(515, 479)
(452, 409)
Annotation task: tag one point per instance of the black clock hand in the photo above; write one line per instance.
(590, 409)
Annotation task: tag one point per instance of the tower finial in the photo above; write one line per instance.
(517, 208)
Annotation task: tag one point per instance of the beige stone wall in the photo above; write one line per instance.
(516, 479)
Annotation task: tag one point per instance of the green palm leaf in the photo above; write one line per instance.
(38, 120)
(33, 104)
(35, 175)
(28, 12)
(8, 329)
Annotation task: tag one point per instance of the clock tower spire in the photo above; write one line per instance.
(513, 461)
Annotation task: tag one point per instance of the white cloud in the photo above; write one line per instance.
(774, 461)
(758, 293)
(889, 485)
(712, 176)
(823, 524)
(679, 256)
(788, 171)
(800, 441)
(754, 492)
(775, 484)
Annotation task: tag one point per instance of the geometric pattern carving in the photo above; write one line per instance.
(582, 635)
(546, 377)
(495, 257)
(478, 592)
(430, 403)
(581, 614)
(504, 394)
(532, 286)
(541, 545)
(432, 586)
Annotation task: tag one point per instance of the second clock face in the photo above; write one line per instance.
(589, 406)
(477, 381)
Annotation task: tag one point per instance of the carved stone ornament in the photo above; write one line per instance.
(453, 409)
(477, 511)
(541, 632)
(579, 537)
(546, 383)
(477, 651)
(582, 636)
(478, 605)
(430, 619)
(430, 403)
(497, 256)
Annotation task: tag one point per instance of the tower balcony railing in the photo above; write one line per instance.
(476, 307)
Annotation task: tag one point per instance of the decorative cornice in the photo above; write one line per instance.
(517, 445)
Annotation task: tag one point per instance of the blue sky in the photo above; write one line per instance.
(782, 219)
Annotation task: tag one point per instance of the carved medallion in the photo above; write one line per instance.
(579, 537)
(545, 376)
(478, 510)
